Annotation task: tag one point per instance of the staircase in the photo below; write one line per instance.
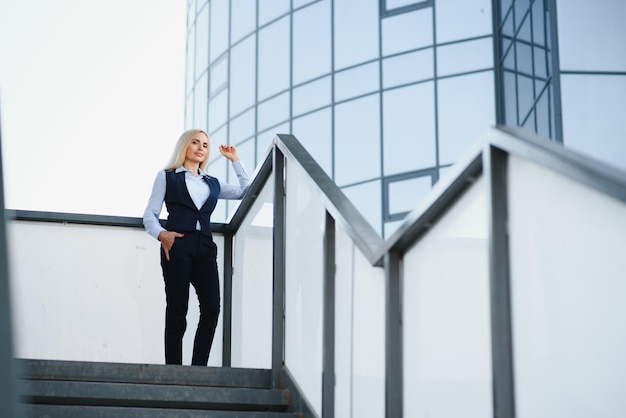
(67, 389)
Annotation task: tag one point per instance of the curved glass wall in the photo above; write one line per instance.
(384, 94)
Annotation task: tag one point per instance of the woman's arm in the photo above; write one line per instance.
(155, 204)
(231, 191)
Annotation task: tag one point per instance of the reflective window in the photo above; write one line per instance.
(311, 42)
(312, 96)
(524, 32)
(243, 19)
(464, 57)
(510, 99)
(356, 23)
(404, 195)
(538, 14)
(367, 199)
(357, 81)
(541, 66)
(314, 132)
(274, 60)
(219, 28)
(543, 115)
(357, 140)
(465, 110)
(247, 153)
(189, 112)
(408, 68)
(202, 41)
(299, 3)
(218, 138)
(409, 128)
(407, 31)
(395, 4)
(600, 46)
(190, 59)
(264, 139)
(524, 58)
(200, 97)
(218, 110)
(525, 96)
(271, 9)
(242, 75)
(273, 111)
(242, 127)
(593, 116)
(219, 75)
(460, 19)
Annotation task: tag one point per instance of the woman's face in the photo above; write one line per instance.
(198, 148)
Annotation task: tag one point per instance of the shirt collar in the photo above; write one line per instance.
(182, 168)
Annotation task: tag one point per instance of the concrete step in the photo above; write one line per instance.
(50, 388)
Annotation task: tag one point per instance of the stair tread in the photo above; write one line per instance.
(73, 411)
(151, 395)
(144, 373)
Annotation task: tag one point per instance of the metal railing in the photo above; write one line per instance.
(444, 317)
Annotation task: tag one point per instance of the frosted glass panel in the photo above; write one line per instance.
(568, 284)
(446, 323)
(305, 218)
(253, 284)
(368, 351)
(359, 333)
(93, 293)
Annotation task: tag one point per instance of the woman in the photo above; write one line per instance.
(188, 253)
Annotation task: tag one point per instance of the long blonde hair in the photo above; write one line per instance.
(180, 150)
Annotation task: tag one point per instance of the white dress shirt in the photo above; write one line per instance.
(199, 191)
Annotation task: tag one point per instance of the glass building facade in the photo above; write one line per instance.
(387, 94)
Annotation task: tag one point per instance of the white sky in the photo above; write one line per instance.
(91, 100)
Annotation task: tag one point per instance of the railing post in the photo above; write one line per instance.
(495, 172)
(227, 319)
(7, 364)
(278, 311)
(328, 374)
(393, 336)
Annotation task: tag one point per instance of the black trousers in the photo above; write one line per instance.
(192, 261)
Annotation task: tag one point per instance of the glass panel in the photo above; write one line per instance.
(314, 131)
(218, 110)
(355, 23)
(298, 3)
(521, 8)
(253, 284)
(367, 198)
(368, 355)
(409, 128)
(303, 289)
(311, 42)
(408, 68)
(189, 112)
(524, 58)
(541, 67)
(200, 102)
(357, 81)
(391, 227)
(359, 333)
(190, 80)
(464, 57)
(446, 315)
(466, 110)
(217, 138)
(460, 19)
(525, 96)
(539, 33)
(219, 74)
(69, 262)
(242, 75)
(510, 98)
(404, 195)
(312, 96)
(202, 41)
(543, 115)
(242, 127)
(357, 139)
(524, 32)
(273, 111)
(593, 116)
(274, 58)
(567, 262)
(247, 153)
(271, 9)
(407, 31)
(219, 28)
(243, 19)
(264, 140)
(394, 4)
(601, 45)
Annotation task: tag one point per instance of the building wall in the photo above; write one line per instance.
(387, 94)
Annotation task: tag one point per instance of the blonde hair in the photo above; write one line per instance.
(180, 150)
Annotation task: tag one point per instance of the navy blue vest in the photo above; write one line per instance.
(182, 212)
